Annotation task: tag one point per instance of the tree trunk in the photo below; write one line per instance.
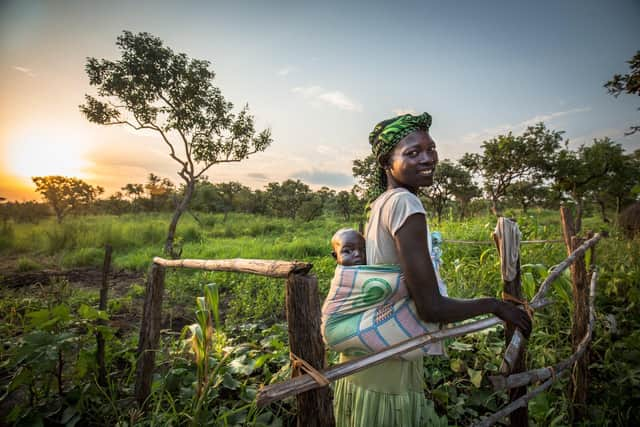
(603, 211)
(463, 210)
(180, 209)
(495, 208)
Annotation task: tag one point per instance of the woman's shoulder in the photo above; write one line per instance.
(397, 196)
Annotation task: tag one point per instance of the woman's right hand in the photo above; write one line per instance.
(514, 315)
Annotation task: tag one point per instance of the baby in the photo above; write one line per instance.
(348, 247)
(368, 307)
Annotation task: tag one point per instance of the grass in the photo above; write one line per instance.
(457, 385)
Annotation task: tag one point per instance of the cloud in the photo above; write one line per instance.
(334, 98)
(258, 176)
(330, 179)
(283, 72)
(401, 111)
(486, 134)
(25, 70)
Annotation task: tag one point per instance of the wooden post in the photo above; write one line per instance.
(149, 332)
(519, 417)
(104, 294)
(305, 341)
(580, 322)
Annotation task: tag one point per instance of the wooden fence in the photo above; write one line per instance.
(314, 404)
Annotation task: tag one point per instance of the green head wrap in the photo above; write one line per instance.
(385, 136)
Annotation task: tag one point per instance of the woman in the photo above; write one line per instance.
(392, 393)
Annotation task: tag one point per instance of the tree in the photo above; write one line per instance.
(526, 194)
(629, 83)
(150, 87)
(450, 181)
(510, 158)
(65, 194)
(133, 191)
(617, 185)
(227, 192)
(286, 199)
(160, 191)
(365, 171)
(586, 170)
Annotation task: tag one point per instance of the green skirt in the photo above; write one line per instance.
(390, 394)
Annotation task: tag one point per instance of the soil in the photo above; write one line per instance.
(127, 318)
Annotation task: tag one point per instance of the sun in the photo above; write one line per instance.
(40, 153)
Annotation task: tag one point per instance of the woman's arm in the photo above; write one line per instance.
(421, 281)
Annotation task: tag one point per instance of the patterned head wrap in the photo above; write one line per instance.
(385, 136)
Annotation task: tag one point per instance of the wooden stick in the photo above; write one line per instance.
(517, 380)
(491, 420)
(518, 340)
(563, 266)
(302, 383)
(269, 268)
(521, 402)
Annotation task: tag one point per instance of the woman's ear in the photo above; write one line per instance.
(384, 161)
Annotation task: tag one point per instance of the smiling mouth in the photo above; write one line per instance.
(426, 172)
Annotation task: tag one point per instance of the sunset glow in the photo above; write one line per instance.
(36, 152)
(320, 92)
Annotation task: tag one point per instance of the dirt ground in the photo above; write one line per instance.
(126, 319)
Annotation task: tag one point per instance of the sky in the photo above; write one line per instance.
(320, 75)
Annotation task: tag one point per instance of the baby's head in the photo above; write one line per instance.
(348, 247)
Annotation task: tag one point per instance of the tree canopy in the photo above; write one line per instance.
(507, 159)
(629, 83)
(65, 194)
(151, 87)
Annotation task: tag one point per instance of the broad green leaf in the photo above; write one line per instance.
(229, 382)
(242, 365)
(39, 317)
(475, 376)
(457, 365)
(61, 312)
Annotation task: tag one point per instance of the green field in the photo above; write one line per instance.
(47, 361)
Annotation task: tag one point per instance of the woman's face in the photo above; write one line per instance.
(412, 162)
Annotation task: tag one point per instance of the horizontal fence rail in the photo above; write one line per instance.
(261, 267)
(491, 242)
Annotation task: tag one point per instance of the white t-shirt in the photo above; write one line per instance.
(388, 213)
